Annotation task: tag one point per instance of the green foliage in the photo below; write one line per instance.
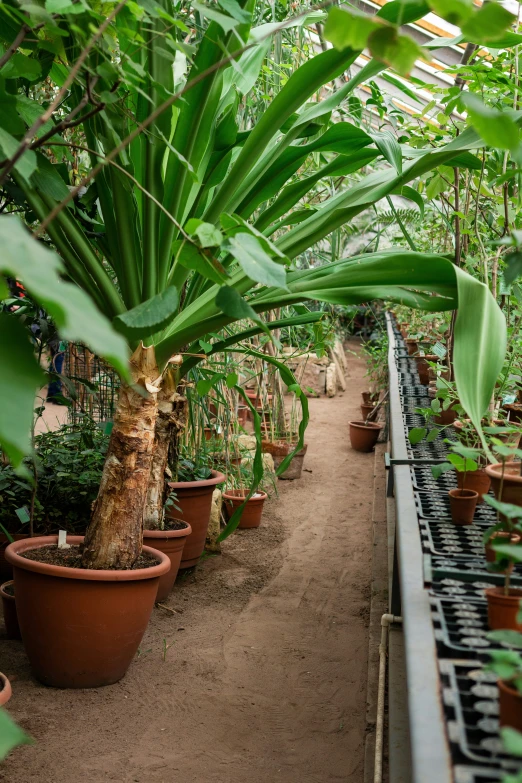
(11, 735)
(190, 471)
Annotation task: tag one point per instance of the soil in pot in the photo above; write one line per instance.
(506, 481)
(194, 502)
(170, 541)
(503, 609)
(280, 450)
(363, 437)
(81, 627)
(251, 515)
(9, 606)
(510, 706)
(5, 689)
(462, 504)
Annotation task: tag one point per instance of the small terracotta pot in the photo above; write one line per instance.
(366, 409)
(171, 543)
(412, 346)
(446, 417)
(462, 504)
(370, 397)
(280, 450)
(10, 616)
(515, 412)
(194, 499)
(506, 537)
(255, 397)
(251, 515)
(363, 437)
(510, 706)
(503, 609)
(81, 628)
(5, 689)
(6, 571)
(478, 481)
(506, 482)
(423, 367)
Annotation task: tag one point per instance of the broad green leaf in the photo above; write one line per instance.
(8, 146)
(47, 180)
(191, 257)
(488, 24)
(19, 65)
(512, 740)
(233, 304)
(413, 195)
(513, 638)
(390, 148)
(149, 317)
(75, 315)
(11, 735)
(346, 28)
(20, 378)
(416, 434)
(454, 11)
(207, 233)
(512, 551)
(233, 8)
(495, 127)
(255, 261)
(396, 50)
(513, 267)
(231, 379)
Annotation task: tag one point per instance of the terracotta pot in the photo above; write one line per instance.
(5, 689)
(281, 450)
(446, 417)
(255, 398)
(412, 346)
(242, 412)
(503, 609)
(423, 367)
(363, 437)
(370, 397)
(251, 516)
(171, 543)
(81, 627)
(366, 409)
(478, 481)
(194, 499)
(508, 538)
(10, 616)
(507, 482)
(510, 706)
(462, 504)
(515, 412)
(6, 571)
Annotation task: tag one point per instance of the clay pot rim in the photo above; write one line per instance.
(495, 471)
(82, 574)
(361, 425)
(217, 478)
(5, 595)
(502, 684)
(181, 533)
(6, 692)
(464, 494)
(498, 594)
(231, 494)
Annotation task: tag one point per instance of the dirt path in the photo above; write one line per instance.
(264, 678)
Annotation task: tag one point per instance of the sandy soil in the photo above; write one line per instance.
(260, 673)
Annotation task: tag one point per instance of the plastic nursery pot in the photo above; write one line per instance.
(251, 515)
(6, 572)
(5, 689)
(501, 536)
(281, 450)
(462, 505)
(12, 628)
(366, 409)
(478, 481)
(363, 437)
(506, 480)
(81, 627)
(194, 501)
(171, 543)
(510, 706)
(412, 346)
(503, 609)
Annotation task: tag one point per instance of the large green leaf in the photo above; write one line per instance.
(149, 317)
(255, 261)
(11, 735)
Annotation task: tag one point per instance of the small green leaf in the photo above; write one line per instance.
(398, 51)
(416, 434)
(231, 379)
(233, 305)
(432, 435)
(438, 470)
(512, 740)
(149, 317)
(453, 11)
(11, 735)
(207, 233)
(8, 146)
(513, 551)
(255, 261)
(225, 22)
(191, 257)
(349, 29)
(513, 267)
(513, 638)
(496, 127)
(21, 66)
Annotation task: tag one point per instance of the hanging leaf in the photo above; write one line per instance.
(8, 146)
(513, 267)
(233, 305)
(453, 11)
(496, 127)
(225, 22)
(398, 51)
(149, 317)
(390, 148)
(255, 261)
(349, 29)
(207, 233)
(191, 257)
(488, 24)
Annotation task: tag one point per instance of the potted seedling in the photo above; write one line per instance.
(504, 539)
(506, 477)
(462, 501)
(507, 665)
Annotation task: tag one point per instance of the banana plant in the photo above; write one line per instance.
(186, 225)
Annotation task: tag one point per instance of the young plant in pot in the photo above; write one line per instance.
(462, 501)
(507, 665)
(504, 539)
(238, 496)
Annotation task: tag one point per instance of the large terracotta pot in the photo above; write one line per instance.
(363, 437)
(81, 627)
(251, 515)
(6, 571)
(9, 606)
(171, 543)
(281, 450)
(510, 706)
(478, 481)
(503, 609)
(506, 481)
(462, 505)
(5, 689)
(194, 501)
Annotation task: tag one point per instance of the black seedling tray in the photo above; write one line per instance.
(408, 378)
(409, 404)
(437, 506)
(461, 627)
(416, 390)
(470, 699)
(423, 480)
(435, 450)
(465, 774)
(462, 580)
(455, 542)
(406, 364)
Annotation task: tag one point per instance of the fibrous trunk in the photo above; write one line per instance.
(115, 535)
(170, 422)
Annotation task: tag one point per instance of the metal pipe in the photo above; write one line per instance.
(386, 621)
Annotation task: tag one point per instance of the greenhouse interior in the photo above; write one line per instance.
(261, 363)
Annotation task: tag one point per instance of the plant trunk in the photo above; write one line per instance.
(170, 422)
(115, 533)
